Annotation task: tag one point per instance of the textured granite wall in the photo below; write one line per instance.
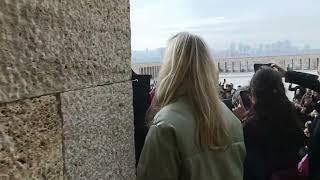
(65, 90)
(96, 132)
(31, 139)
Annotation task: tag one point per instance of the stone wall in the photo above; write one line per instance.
(65, 90)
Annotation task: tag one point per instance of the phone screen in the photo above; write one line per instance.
(245, 98)
(256, 67)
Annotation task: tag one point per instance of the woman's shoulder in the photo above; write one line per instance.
(174, 113)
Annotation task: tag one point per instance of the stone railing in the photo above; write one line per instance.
(297, 62)
(245, 64)
(149, 69)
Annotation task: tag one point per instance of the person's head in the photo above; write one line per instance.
(188, 69)
(308, 93)
(270, 103)
(307, 101)
(315, 93)
(298, 94)
(315, 96)
(228, 94)
(266, 86)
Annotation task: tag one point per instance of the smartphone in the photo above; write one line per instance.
(228, 103)
(256, 67)
(245, 99)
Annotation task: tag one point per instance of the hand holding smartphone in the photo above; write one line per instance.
(244, 104)
(256, 67)
(245, 100)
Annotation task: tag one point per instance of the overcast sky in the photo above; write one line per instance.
(221, 22)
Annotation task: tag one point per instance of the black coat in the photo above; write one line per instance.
(303, 79)
(310, 81)
(269, 150)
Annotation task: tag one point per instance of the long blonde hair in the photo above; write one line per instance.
(188, 68)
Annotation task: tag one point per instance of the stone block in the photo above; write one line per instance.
(99, 133)
(31, 140)
(53, 46)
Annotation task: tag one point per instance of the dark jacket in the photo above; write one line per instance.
(310, 81)
(269, 150)
(303, 79)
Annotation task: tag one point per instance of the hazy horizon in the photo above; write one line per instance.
(223, 22)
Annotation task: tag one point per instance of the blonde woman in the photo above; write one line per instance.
(193, 135)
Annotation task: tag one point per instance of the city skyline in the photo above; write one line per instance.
(239, 49)
(221, 22)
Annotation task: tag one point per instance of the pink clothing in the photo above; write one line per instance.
(303, 166)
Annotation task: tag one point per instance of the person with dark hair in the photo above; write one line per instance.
(272, 132)
(312, 82)
(307, 102)
(298, 92)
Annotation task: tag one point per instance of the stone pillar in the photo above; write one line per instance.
(225, 67)
(151, 70)
(292, 65)
(317, 63)
(232, 66)
(300, 64)
(247, 66)
(157, 71)
(240, 66)
(309, 64)
(65, 90)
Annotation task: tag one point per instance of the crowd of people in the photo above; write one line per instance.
(306, 101)
(226, 90)
(203, 129)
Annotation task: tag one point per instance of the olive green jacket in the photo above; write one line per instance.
(170, 151)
